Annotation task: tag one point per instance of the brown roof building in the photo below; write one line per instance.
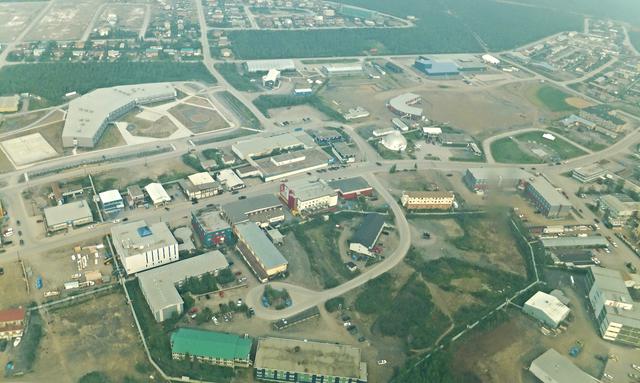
(12, 322)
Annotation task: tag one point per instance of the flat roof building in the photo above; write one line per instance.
(111, 201)
(431, 67)
(419, 200)
(617, 212)
(553, 367)
(342, 70)
(367, 234)
(159, 285)
(9, 104)
(141, 246)
(308, 196)
(281, 65)
(483, 179)
(71, 214)
(589, 173)
(344, 153)
(89, 115)
(157, 194)
(616, 314)
(265, 210)
(590, 242)
(291, 163)
(212, 229)
(303, 361)
(546, 308)
(403, 105)
(200, 185)
(350, 188)
(262, 256)
(264, 146)
(211, 347)
(546, 198)
(230, 179)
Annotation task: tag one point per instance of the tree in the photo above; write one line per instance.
(393, 168)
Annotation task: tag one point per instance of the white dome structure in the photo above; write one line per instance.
(394, 141)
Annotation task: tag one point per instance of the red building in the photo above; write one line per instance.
(12, 323)
(352, 188)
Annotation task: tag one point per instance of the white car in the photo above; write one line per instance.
(16, 341)
(382, 362)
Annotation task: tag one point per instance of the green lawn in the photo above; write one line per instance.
(240, 81)
(553, 99)
(506, 150)
(561, 146)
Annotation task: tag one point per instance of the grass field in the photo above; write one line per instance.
(247, 118)
(553, 99)
(110, 138)
(236, 79)
(506, 150)
(560, 146)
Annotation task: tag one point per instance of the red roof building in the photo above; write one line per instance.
(12, 322)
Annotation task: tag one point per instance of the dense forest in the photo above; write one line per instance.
(53, 80)
(444, 26)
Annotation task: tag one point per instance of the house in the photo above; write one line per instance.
(157, 194)
(546, 309)
(367, 234)
(200, 185)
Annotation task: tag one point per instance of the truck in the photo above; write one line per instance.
(39, 283)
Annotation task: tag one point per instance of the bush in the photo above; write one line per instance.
(95, 377)
(376, 296)
(334, 304)
(225, 276)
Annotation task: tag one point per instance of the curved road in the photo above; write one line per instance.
(304, 298)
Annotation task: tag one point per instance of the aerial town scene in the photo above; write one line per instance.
(347, 191)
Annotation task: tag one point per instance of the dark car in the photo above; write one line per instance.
(18, 222)
(166, 208)
(242, 197)
(125, 219)
(19, 232)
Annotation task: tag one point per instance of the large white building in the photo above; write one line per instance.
(71, 214)
(89, 115)
(282, 65)
(553, 367)
(308, 195)
(546, 308)
(403, 106)
(159, 285)
(140, 246)
(394, 141)
(230, 179)
(264, 146)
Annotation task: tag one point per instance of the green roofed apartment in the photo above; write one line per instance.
(211, 347)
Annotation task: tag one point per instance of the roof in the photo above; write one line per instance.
(9, 102)
(550, 305)
(201, 178)
(369, 230)
(210, 344)
(110, 196)
(211, 220)
(431, 130)
(402, 104)
(132, 237)
(11, 315)
(87, 113)
(229, 178)
(593, 170)
(266, 65)
(135, 191)
(591, 241)
(548, 192)
(428, 194)
(157, 193)
(553, 367)
(272, 75)
(158, 285)
(265, 145)
(350, 185)
(328, 359)
(309, 189)
(262, 248)
(238, 211)
(613, 294)
(343, 68)
(291, 163)
(614, 203)
(68, 212)
(394, 141)
(344, 149)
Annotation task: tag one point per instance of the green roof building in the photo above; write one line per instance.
(211, 347)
